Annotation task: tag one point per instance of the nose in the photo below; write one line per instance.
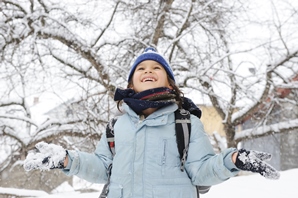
(148, 70)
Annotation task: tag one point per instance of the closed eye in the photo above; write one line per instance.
(140, 68)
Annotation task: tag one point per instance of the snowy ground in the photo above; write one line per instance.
(252, 186)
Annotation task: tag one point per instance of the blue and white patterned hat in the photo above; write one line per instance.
(150, 53)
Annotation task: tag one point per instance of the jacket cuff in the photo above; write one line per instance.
(228, 161)
(73, 163)
(70, 159)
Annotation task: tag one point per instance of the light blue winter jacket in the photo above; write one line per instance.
(147, 162)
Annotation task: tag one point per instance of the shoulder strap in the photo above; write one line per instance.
(110, 135)
(111, 142)
(183, 130)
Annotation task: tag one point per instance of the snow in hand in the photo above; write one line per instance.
(254, 161)
(45, 157)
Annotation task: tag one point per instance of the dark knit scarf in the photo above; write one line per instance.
(153, 98)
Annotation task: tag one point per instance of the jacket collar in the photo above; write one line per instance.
(159, 117)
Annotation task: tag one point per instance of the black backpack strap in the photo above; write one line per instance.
(183, 130)
(110, 135)
(105, 189)
(111, 142)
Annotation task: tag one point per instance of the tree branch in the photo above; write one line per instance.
(262, 131)
(160, 23)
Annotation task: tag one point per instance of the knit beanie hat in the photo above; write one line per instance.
(150, 53)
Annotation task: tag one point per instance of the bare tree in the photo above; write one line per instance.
(90, 45)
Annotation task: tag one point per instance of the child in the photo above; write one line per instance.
(147, 162)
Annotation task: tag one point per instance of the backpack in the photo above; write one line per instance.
(183, 130)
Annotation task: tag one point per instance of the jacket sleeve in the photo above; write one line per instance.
(90, 166)
(203, 166)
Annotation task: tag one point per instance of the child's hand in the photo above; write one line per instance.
(46, 156)
(254, 161)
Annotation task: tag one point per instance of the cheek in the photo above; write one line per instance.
(134, 80)
(166, 81)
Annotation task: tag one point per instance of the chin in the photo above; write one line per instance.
(145, 87)
(150, 87)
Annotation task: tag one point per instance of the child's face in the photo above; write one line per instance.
(149, 74)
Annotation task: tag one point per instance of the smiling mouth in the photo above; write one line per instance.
(148, 80)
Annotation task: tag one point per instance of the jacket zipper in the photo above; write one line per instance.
(163, 161)
(141, 118)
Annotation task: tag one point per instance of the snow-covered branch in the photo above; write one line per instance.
(261, 131)
(12, 117)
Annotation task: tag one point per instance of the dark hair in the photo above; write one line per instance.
(179, 94)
